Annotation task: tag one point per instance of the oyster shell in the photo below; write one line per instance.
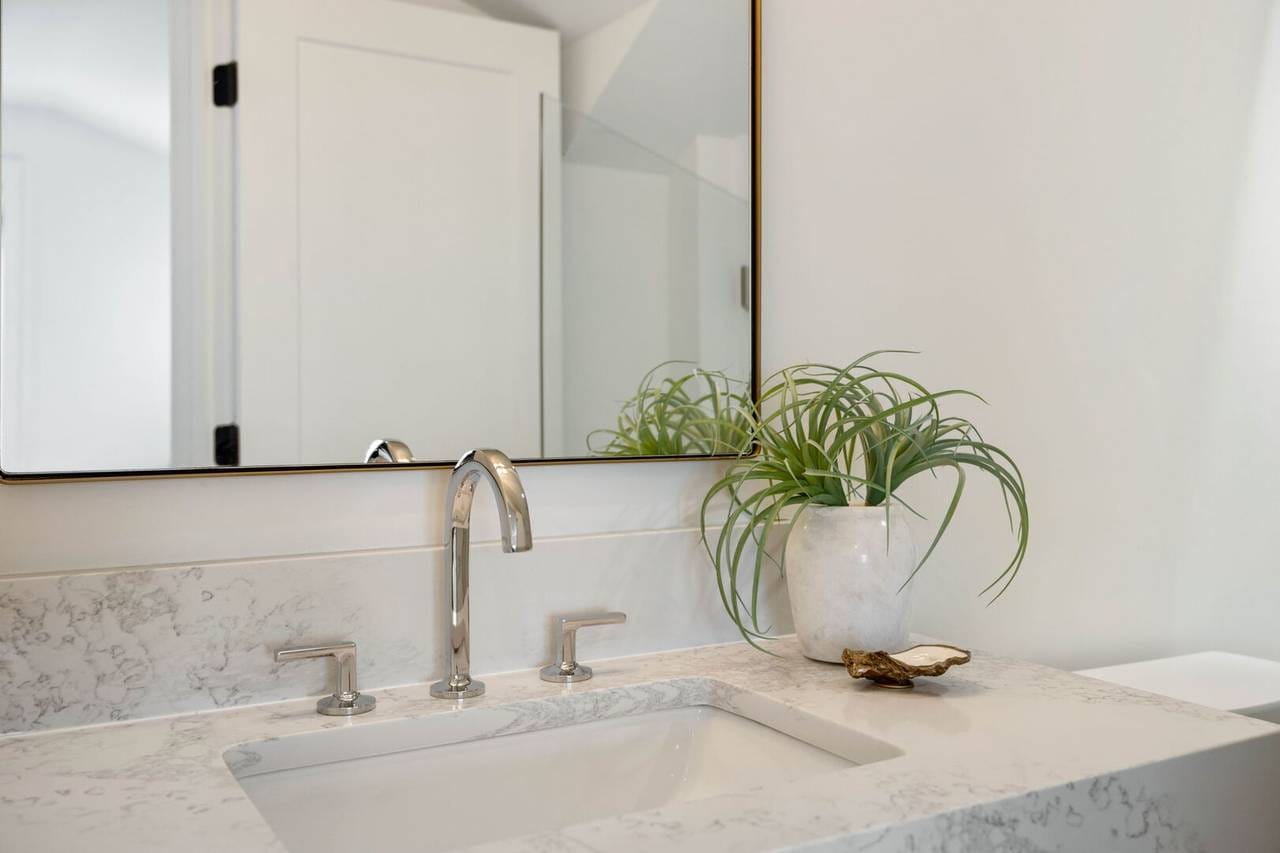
(896, 669)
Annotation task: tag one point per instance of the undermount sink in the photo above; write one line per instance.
(453, 780)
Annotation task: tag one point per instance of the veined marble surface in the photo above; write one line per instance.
(122, 644)
(997, 755)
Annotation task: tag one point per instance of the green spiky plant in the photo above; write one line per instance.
(698, 412)
(843, 436)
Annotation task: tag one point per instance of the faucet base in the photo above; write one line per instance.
(336, 706)
(445, 690)
(559, 675)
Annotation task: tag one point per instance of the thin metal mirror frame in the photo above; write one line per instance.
(9, 478)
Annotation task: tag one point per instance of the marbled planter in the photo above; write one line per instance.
(845, 571)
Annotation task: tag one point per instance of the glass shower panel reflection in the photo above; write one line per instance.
(646, 271)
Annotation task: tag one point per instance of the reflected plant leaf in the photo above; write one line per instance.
(692, 413)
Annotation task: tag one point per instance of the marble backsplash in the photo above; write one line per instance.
(93, 647)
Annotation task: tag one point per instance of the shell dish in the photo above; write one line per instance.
(897, 669)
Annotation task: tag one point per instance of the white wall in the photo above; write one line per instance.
(665, 75)
(1229, 585)
(70, 527)
(722, 212)
(86, 379)
(460, 6)
(589, 62)
(104, 62)
(86, 297)
(1043, 197)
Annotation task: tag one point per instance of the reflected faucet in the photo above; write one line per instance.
(387, 451)
(513, 515)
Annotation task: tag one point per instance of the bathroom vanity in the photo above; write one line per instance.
(712, 748)
(354, 239)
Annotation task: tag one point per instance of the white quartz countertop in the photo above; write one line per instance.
(1014, 752)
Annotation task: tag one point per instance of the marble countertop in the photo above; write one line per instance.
(1000, 747)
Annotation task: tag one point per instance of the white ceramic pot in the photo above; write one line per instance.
(844, 577)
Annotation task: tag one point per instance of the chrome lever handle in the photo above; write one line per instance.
(346, 701)
(568, 670)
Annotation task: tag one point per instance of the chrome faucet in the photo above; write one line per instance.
(513, 514)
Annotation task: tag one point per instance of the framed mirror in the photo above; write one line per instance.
(259, 236)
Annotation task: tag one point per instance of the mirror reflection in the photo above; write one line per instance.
(273, 232)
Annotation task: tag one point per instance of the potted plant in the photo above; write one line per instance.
(835, 445)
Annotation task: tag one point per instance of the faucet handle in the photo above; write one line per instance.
(346, 700)
(568, 670)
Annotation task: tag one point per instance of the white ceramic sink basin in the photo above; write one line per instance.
(453, 780)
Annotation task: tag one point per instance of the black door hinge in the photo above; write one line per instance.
(226, 444)
(226, 85)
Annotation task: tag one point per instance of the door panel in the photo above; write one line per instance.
(389, 199)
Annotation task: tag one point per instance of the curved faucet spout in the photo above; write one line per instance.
(513, 509)
(513, 515)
